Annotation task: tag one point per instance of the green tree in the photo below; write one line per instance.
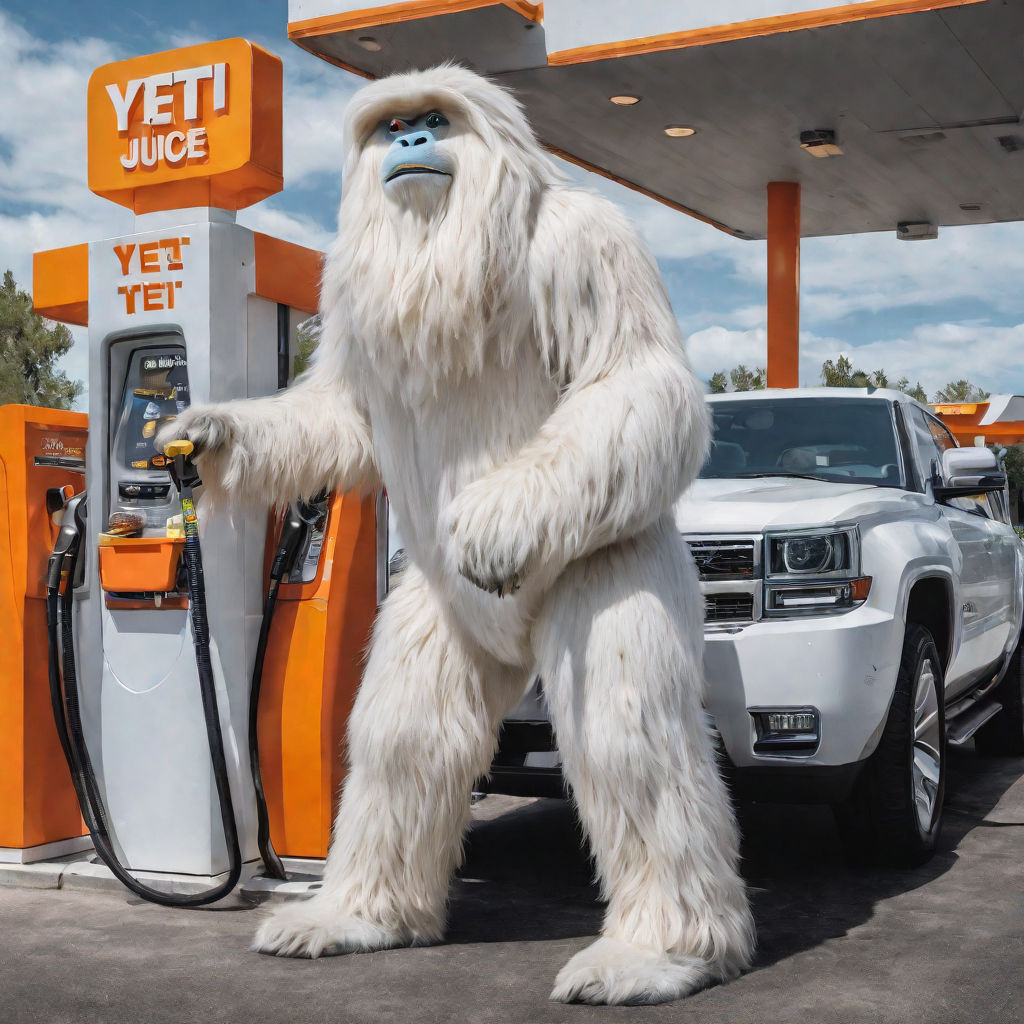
(841, 373)
(739, 378)
(960, 391)
(1013, 464)
(29, 350)
(918, 392)
(307, 337)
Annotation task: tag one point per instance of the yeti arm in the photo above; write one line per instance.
(286, 446)
(630, 429)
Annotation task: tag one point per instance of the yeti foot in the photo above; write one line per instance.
(614, 972)
(314, 928)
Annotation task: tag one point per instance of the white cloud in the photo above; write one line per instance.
(877, 272)
(719, 348)
(670, 234)
(292, 227)
(44, 194)
(933, 354)
(43, 187)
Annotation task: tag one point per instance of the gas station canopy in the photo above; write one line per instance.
(924, 98)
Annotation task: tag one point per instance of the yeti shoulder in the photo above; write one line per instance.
(585, 220)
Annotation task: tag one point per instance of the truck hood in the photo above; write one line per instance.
(731, 506)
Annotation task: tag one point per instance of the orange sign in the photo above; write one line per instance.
(199, 126)
(151, 258)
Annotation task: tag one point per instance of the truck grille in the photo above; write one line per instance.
(728, 607)
(724, 559)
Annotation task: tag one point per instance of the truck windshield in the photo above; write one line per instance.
(852, 440)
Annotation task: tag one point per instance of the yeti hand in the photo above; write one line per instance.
(208, 430)
(495, 543)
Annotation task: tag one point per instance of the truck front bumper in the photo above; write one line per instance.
(843, 666)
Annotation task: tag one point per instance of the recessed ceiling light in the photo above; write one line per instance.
(679, 131)
(371, 44)
(624, 100)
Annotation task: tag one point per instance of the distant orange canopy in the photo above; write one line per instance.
(990, 420)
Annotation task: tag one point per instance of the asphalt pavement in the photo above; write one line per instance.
(943, 944)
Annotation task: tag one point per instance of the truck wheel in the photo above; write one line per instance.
(894, 814)
(1003, 735)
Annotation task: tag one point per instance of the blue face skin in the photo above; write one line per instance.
(414, 147)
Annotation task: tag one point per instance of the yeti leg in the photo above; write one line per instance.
(619, 650)
(422, 730)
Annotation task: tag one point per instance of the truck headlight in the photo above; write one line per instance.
(814, 572)
(824, 552)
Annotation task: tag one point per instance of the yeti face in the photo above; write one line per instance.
(418, 163)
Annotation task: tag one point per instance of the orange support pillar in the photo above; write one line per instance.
(783, 284)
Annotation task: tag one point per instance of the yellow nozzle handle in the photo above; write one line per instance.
(176, 448)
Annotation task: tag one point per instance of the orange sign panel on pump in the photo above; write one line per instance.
(199, 126)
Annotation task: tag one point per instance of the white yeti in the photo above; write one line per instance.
(498, 350)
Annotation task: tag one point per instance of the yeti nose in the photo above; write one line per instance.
(415, 140)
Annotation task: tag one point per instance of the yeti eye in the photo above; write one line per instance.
(435, 120)
(395, 126)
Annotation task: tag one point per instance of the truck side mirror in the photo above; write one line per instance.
(967, 471)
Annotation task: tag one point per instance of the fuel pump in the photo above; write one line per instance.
(191, 306)
(42, 464)
(61, 577)
(324, 609)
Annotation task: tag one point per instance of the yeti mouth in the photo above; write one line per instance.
(403, 169)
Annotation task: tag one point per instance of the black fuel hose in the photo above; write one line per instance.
(271, 862)
(66, 702)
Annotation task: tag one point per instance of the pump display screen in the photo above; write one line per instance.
(160, 392)
(155, 390)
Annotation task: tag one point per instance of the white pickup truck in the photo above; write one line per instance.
(864, 591)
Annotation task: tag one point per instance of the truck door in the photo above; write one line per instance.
(982, 595)
(1006, 555)
(985, 608)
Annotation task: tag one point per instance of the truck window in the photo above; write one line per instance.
(929, 448)
(933, 438)
(844, 440)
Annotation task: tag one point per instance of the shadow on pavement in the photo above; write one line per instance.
(805, 893)
(527, 876)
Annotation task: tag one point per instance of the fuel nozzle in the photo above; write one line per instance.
(182, 469)
(69, 536)
(293, 532)
(299, 519)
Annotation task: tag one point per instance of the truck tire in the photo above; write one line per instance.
(1003, 735)
(894, 815)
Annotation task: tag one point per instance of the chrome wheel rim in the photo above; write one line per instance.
(927, 766)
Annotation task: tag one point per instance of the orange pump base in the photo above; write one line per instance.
(313, 665)
(37, 801)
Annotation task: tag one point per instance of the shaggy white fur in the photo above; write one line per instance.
(499, 351)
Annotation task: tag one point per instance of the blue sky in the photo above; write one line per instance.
(932, 311)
